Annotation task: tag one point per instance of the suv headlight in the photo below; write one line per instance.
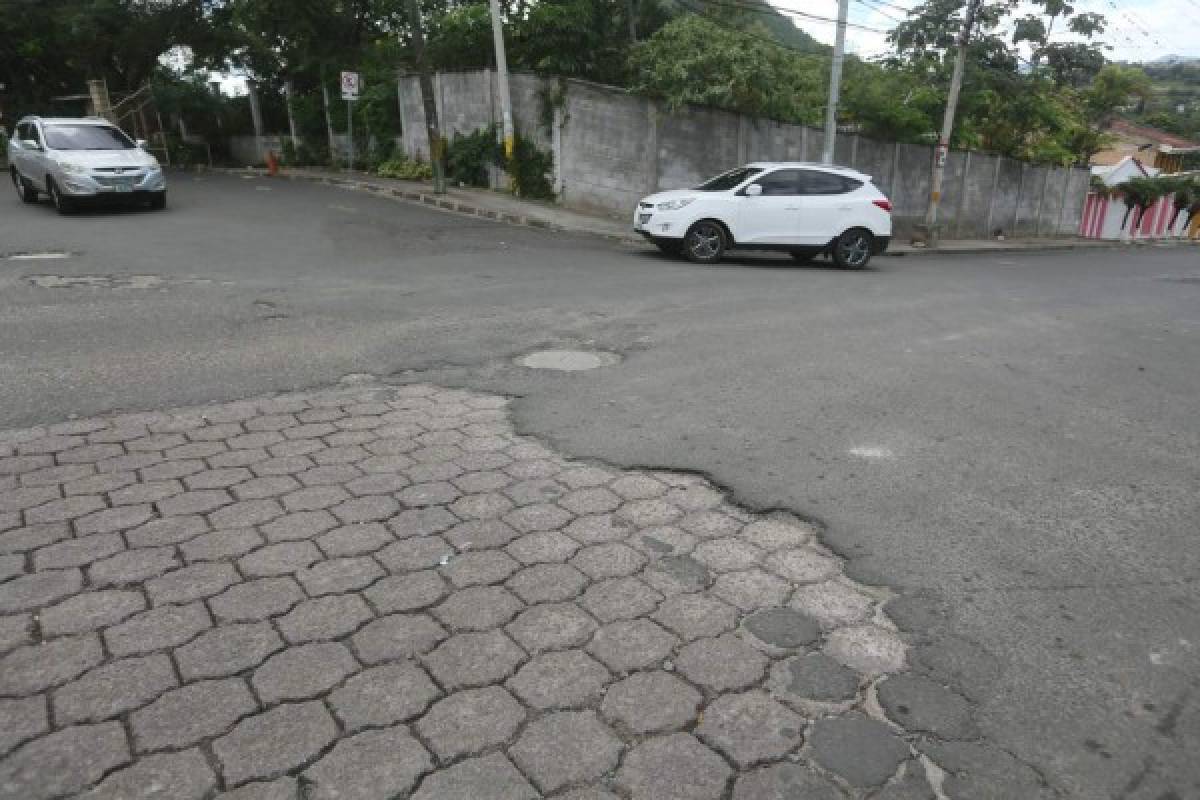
(72, 168)
(676, 204)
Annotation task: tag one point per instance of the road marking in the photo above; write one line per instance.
(38, 256)
(347, 209)
(872, 453)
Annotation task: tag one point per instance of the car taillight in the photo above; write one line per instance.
(885, 204)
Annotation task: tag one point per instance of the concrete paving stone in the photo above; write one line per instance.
(673, 767)
(30, 537)
(665, 541)
(48, 445)
(648, 513)
(170, 776)
(24, 718)
(15, 630)
(535, 491)
(376, 484)
(979, 770)
(43, 505)
(393, 440)
(595, 500)
(255, 441)
(202, 501)
(396, 637)
(477, 608)
(275, 741)
(651, 702)
(565, 748)
(157, 629)
(696, 497)
(482, 505)
(132, 461)
(416, 553)
(227, 650)
(218, 478)
(383, 696)
(385, 464)
(354, 540)
(90, 611)
(552, 626)
(303, 672)
(538, 518)
(171, 530)
(329, 475)
(421, 522)
(279, 559)
(322, 618)
(631, 644)
(155, 442)
(620, 598)
(381, 763)
(428, 455)
(311, 430)
(297, 526)
(479, 568)
(132, 567)
(726, 663)
(867, 648)
(727, 555)
(484, 444)
(492, 776)
(751, 728)
(469, 721)
(212, 451)
(35, 667)
(282, 465)
(610, 560)
(832, 603)
(269, 486)
(751, 589)
(215, 431)
(482, 481)
(49, 476)
(434, 476)
(801, 566)
(77, 552)
(427, 493)
(812, 677)
(9, 519)
(410, 592)
(917, 703)
(171, 470)
(16, 465)
(145, 492)
(192, 583)
(221, 545)
(587, 793)
(469, 660)
(320, 415)
(781, 628)
(90, 453)
(585, 477)
(480, 534)
(693, 616)
(286, 788)
(190, 713)
(339, 575)
(861, 751)
(271, 422)
(11, 566)
(778, 533)
(909, 786)
(246, 513)
(314, 498)
(784, 782)
(562, 679)
(39, 589)
(63, 762)
(546, 547)
(547, 583)
(256, 599)
(373, 508)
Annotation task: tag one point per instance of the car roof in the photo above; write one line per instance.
(809, 165)
(67, 120)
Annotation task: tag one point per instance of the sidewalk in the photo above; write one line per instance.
(507, 208)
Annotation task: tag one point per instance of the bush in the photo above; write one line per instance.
(530, 171)
(468, 157)
(289, 155)
(406, 169)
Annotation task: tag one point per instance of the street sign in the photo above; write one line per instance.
(350, 85)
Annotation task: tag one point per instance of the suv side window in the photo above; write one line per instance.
(779, 182)
(22, 132)
(818, 182)
(32, 130)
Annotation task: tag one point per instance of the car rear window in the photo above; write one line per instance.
(818, 182)
(86, 137)
(728, 180)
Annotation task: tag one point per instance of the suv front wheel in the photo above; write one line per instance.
(704, 242)
(852, 250)
(62, 204)
(27, 193)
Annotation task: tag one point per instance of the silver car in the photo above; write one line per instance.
(74, 160)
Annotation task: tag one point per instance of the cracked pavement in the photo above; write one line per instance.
(377, 592)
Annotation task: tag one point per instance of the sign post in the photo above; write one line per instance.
(350, 89)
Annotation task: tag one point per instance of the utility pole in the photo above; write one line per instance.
(943, 145)
(432, 129)
(835, 82)
(502, 79)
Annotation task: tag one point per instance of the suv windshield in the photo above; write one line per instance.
(86, 137)
(728, 180)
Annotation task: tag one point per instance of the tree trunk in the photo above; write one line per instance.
(328, 120)
(432, 129)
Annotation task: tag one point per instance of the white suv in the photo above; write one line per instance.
(803, 209)
(77, 159)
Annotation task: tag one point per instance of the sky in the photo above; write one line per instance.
(1138, 30)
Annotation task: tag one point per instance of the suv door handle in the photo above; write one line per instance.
(791, 208)
(845, 208)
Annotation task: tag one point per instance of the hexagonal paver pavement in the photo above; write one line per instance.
(384, 591)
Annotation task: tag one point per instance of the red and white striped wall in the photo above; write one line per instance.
(1102, 219)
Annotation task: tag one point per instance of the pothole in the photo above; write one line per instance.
(568, 360)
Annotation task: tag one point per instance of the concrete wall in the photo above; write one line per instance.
(611, 147)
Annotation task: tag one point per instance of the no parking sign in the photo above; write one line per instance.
(350, 85)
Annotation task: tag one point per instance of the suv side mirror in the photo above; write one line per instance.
(141, 143)
(753, 190)
(31, 144)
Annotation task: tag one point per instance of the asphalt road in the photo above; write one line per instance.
(1010, 442)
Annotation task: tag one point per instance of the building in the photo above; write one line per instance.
(1154, 148)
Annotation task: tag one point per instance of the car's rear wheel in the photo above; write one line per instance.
(704, 242)
(61, 203)
(852, 250)
(27, 193)
(158, 201)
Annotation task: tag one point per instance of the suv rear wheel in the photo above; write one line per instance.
(704, 242)
(27, 193)
(852, 250)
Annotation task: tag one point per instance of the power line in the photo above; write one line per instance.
(872, 5)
